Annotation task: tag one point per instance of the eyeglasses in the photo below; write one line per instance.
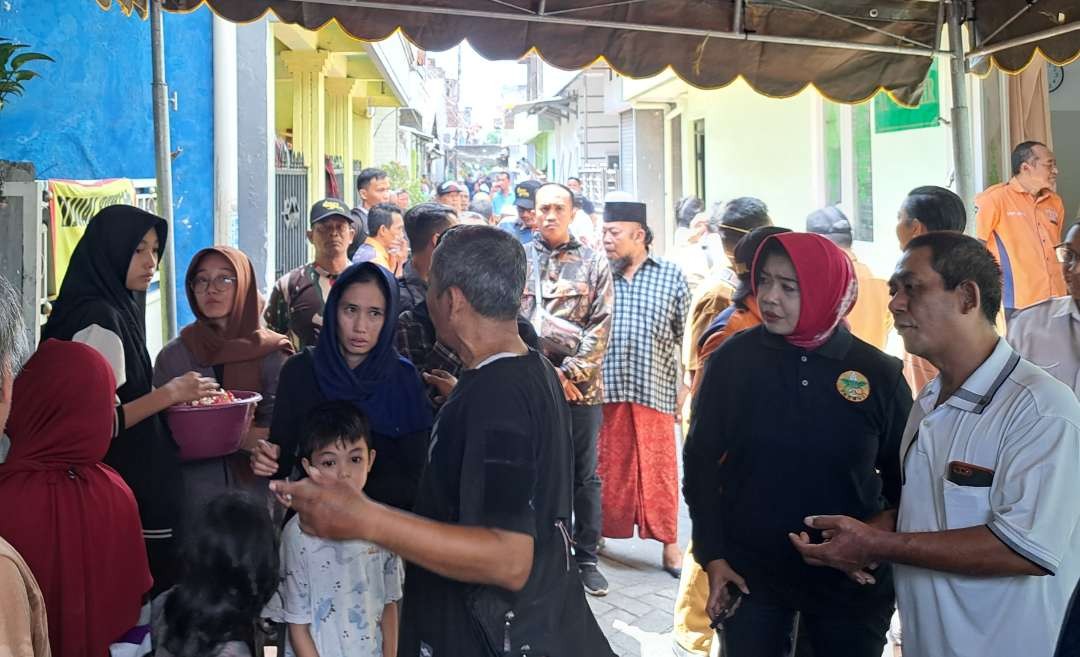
(202, 284)
(734, 228)
(1066, 255)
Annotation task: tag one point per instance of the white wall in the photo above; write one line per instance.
(755, 146)
(1065, 124)
(384, 146)
(902, 161)
(772, 149)
(590, 134)
(255, 63)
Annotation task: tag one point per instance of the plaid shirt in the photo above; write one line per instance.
(576, 287)
(416, 341)
(642, 362)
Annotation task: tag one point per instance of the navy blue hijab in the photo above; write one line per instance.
(385, 387)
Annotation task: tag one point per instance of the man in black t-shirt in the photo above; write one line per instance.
(490, 565)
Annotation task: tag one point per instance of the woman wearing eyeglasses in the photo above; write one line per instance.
(226, 342)
(1048, 333)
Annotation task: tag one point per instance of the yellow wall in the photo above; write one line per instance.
(283, 106)
(362, 148)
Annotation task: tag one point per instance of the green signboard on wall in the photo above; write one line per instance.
(889, 116)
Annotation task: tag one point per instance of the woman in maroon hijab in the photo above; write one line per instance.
(794, 416)
(72, 518)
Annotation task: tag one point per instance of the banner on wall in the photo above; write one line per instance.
(72, 203)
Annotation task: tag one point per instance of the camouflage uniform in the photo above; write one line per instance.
(577, 290)
(296, 304)
(577, 287)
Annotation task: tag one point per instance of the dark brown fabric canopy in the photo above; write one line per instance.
(778, 46)
(1037, 17)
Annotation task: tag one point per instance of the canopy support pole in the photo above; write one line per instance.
(1023, 10)
(961, 114)
(1048, 33)
(163, 166)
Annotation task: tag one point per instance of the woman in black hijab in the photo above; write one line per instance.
(102, 303)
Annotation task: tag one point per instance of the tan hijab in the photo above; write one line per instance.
(24, 630)
(241, 346)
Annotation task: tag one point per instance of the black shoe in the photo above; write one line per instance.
(594, 583)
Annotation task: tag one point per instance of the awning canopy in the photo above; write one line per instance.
(558, 106)
(848, 49)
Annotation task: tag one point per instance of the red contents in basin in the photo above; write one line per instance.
(214, 400)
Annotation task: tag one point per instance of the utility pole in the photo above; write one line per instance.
(960, 115)
(163, 165)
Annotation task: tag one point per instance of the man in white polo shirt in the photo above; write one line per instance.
(986, 542)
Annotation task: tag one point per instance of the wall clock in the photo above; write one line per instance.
(1055, 75)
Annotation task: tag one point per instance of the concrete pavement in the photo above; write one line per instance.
(637, 613)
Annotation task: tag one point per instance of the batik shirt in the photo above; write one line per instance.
(338, 588)
(296, 304)
(642, 362)
(577, 288)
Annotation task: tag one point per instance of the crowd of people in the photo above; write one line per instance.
(461, 398)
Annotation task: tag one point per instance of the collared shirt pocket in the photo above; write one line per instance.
(966, 506)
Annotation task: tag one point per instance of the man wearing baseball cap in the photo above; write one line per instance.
(524, 226)
(453, 194)
(296, 301)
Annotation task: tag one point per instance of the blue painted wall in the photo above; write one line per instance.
(89, 115)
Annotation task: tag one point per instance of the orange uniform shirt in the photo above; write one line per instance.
(705, 309)
(1021, 231)
(870, 318)
(740, 320)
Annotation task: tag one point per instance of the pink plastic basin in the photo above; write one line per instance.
(205, 432)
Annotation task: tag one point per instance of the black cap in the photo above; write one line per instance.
(330, 207)
(624, 211)
(828, 221)
(525, 194)
(449, 187)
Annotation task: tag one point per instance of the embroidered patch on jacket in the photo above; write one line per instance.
(853, 386)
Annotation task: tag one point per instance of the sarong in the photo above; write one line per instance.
(639, 473)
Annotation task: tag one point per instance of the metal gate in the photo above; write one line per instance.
(291, 207)
(597, 181)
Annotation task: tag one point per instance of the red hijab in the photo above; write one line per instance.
(72, 518)
(241, 346)
(827, 285)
